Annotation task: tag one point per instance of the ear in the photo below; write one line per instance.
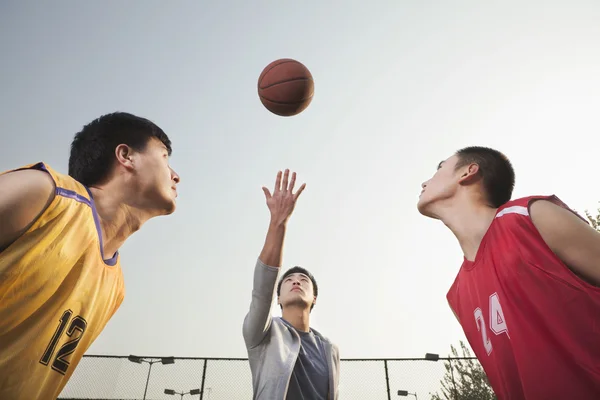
(314, 300)
(469, 174)
(124, 155)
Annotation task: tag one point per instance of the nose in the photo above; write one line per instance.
(175, 176)
(423, 185)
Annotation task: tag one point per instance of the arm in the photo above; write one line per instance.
(576, 243)
(281, 205)
(258, 319)
(24, 195)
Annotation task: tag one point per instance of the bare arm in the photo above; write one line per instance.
(281, 205)
(24, 195)
(576, 243)
(272, 251)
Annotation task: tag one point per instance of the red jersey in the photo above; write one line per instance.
(532, 323)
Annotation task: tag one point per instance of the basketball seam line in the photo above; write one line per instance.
(285, 103)
(286, 81)
(264, 73)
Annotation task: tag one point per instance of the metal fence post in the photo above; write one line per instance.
(203, 379)
(387, 379)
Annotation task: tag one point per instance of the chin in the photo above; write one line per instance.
(296, 301)
(169, 207)
(424, 208)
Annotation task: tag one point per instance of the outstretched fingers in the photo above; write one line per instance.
(300, 189)
(277, 182)
(292, 182)
(284, 185)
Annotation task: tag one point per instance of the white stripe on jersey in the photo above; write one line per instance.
(513, 210)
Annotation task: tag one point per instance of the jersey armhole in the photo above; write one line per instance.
(555, 200)
(42, 168)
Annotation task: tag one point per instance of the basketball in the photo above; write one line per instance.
(285, 87)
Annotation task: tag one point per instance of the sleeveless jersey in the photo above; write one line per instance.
(57, 292)
(532, 323)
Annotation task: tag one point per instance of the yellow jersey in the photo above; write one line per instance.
(57, 292)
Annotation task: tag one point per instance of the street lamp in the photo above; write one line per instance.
(405, 393)
(162, 360)
(192, 392)
(436, 357)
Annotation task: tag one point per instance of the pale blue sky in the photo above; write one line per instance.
(399, 85)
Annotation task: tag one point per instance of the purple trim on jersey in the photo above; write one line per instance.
(72, 195)
(113, 260)
(90, 202)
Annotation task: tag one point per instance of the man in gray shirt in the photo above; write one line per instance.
(288, 359)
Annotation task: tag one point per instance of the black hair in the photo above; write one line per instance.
(299, 270)
(93, 148)
(495, 169)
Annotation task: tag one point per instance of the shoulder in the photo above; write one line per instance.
(277, 325)
(521, 205)
(553, 219)
(531, 205)
(22, 186)
(44, 177)
(66, 185)
(570, 237)
(30, 175)
(323, 337)
(526, 218)
(25, 193)
(550, 205)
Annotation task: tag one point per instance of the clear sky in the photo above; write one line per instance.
(399, 86)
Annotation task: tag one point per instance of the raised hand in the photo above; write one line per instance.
(282, 202)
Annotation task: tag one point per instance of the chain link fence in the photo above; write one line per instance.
(154, 378)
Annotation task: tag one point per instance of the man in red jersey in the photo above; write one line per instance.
(528, 292)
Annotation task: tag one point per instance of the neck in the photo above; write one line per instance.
(298, 317)
(118, 220)
(469, 222)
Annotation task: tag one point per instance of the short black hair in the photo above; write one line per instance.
(299, 270)
(496, 171)
(93, 148)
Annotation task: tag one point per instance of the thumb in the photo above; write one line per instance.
(267, 193)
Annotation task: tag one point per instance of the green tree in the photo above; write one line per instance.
(594, 221)
(464, 378)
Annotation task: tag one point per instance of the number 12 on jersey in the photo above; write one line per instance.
(497, 322)
(61, 363)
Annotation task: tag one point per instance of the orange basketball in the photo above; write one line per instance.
(285, 87)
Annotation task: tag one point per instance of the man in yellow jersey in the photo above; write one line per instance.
(60, 276)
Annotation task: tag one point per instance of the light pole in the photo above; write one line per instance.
(191, 392)
(405, 393)
(139, 360)
(436, 357)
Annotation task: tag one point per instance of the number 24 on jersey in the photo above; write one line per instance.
(496, 321)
